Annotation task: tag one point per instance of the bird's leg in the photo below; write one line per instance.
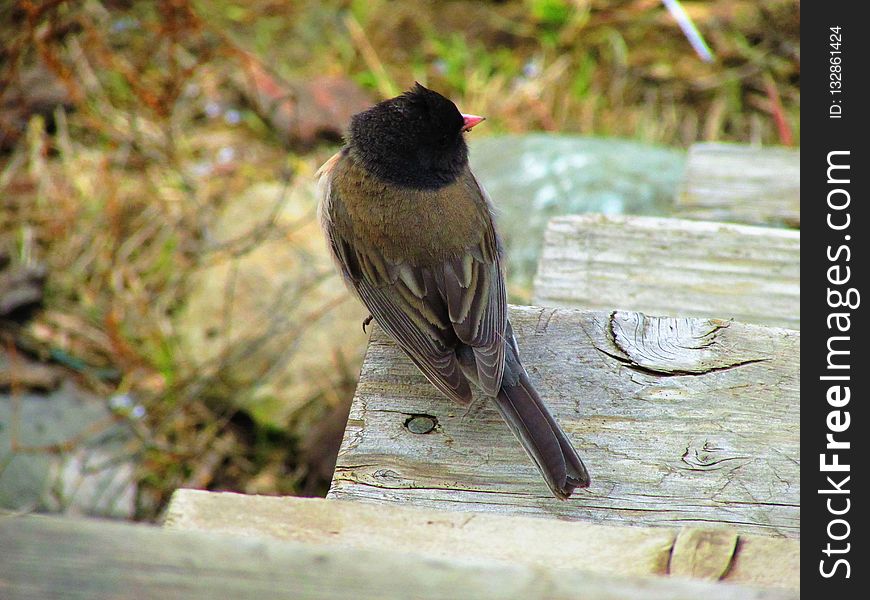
(366, 321)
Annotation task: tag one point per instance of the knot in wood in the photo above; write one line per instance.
(421, 424)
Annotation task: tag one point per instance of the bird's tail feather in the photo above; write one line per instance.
(523, 410)
(541, 436)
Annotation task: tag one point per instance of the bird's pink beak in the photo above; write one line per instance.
(470, 121)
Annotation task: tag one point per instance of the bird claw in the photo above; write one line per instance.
(366, 321)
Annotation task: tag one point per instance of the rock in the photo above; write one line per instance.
(305, 110)
(532, 178)
(274, 322)
(55, 456)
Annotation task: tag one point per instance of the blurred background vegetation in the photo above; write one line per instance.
(150, 151)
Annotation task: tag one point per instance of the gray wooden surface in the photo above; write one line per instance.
(680, 422)
(743, 184)
(712, 554)
(672, 267)
(50, 557)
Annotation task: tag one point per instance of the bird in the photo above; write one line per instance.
(413, 234)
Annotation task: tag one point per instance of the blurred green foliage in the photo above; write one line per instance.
(595, 67)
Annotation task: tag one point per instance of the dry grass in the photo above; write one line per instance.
(116, 196)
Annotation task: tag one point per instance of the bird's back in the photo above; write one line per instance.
(406, 225)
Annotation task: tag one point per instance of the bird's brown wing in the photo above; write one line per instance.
(428, 309)
(482, 326)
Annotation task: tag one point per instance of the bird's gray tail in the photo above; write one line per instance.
(536, 429)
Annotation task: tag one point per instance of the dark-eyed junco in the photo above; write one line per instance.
(412, 232)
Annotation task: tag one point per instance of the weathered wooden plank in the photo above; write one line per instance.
(680, 421)
(743, 184)
(672, 267)
(466, 537)
(705, 553)
(50, 557)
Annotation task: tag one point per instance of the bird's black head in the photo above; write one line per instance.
(414, 140)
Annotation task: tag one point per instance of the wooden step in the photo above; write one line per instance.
(711, 554)
(742, 184)
(681, 422)
(672, 267)
(51, 557)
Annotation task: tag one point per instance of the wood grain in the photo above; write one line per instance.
(743, 184)
(672, 267)
(50, 557)
(468, 537)
(680, 421)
